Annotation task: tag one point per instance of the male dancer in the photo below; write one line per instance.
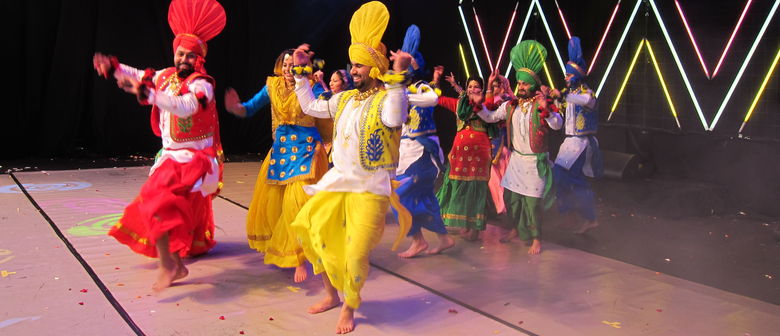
(172, 215)
(345, 219)
(528, 177)
(579, 155)
(421, 158)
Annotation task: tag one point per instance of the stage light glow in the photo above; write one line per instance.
(663, 83)
(679, 64)
(471, 43)
(603, 37)
(728, 44)
(620, 44)
(693, 40)
(522, 32)
(506, 37)
(760, 91)
(625, 80)
(463, 58)
(744, 64)
(482, 36)
(565, 26)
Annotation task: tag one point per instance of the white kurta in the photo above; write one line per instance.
(521, 174)
(347, 174)
(182, 106)
(573, 146)
(412, 150)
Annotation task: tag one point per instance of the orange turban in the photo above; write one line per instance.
(194, 22)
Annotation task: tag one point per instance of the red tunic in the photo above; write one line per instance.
(166, 202)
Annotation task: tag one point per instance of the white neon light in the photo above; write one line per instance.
(679, 64)
(620, 44)
(549, 33)
(744, 64)
(522, 32)
(471, 44)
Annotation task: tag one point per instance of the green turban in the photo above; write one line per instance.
(528, 58)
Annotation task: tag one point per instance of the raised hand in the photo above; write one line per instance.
(451, 79)
(233, 103)
(437, 72)
(491, 79)
(302, 54)
(401, 60)
(102, 64)
(541, 99)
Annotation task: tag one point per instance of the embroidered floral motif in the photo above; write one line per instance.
(184, 124)
(375, 148)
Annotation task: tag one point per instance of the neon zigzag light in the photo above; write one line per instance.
(744, 64)
(760, 91)
(688, 86)
(506, 37)
(646, 43)
(549, 34)
(725, 49)
(482, 36)
(603, 37)
(565, 26)
(463, 57)
(471, 44)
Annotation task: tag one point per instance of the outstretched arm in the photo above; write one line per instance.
(494, 116)
(201, 92)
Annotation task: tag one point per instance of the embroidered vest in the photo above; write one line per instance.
(201, 125)
(378, 143)
(420, 121)
(586, 120)
(537, 134)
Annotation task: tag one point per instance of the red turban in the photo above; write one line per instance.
(194, 22)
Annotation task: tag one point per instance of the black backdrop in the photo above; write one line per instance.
(57, 106)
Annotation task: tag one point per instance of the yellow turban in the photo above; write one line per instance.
(367, 26)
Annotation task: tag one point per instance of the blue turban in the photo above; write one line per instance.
(410, 45)
(576, 64)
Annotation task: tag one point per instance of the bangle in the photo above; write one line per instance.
(302, 70)
(392, 77)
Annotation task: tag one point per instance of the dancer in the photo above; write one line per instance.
(340, 80)
(172, 215)
(421, 158)
(464, 191)
(345, 219)
(579, 155)
(528, 178)
(296, 158)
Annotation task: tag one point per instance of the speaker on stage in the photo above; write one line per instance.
(620, 166)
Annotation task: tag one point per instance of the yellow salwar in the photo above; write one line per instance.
(337, 231)
(273, 208)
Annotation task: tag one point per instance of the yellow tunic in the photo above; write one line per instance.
(275, 205)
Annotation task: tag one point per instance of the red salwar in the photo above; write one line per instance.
(166, 203)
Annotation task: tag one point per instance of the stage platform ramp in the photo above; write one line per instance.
(62, 275)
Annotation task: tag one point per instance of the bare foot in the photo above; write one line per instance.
(165, 277)
(346, 322)
(508, 237)
(536, 247)
(414, 249)
(445, 242)
(586, 226)
(301, 273)
(326, 304)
